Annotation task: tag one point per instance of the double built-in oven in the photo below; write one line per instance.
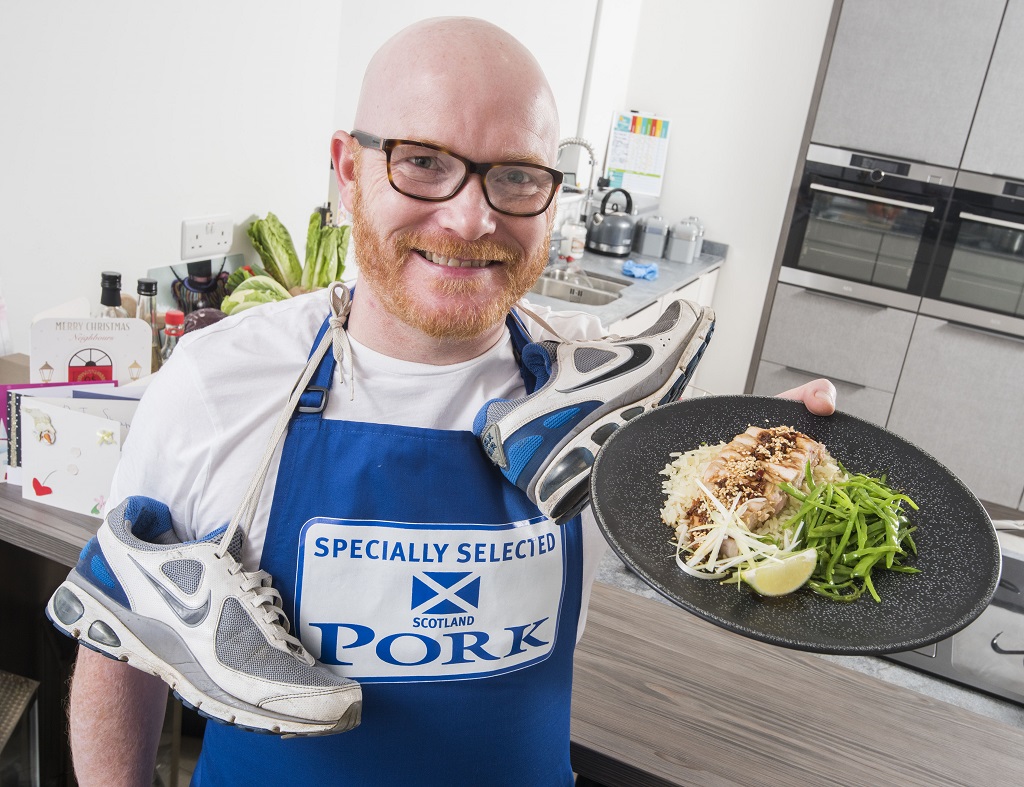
(866, 227)
(977, 276)
(910, 236)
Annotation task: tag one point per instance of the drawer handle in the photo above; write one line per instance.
(960, 326)
(818, 374)
(850, 301)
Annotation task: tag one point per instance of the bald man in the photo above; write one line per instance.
(404, 559)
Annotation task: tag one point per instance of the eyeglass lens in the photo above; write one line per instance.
(419, 171)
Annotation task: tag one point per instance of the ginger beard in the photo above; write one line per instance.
(382, 263)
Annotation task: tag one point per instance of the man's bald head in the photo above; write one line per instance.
(453, 68)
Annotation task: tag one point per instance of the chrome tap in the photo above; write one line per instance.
(570, 142)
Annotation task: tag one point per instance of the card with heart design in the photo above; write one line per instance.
(70, 449)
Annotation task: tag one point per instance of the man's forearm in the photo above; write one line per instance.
(116, 715)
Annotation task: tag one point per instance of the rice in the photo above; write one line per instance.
(681, 488)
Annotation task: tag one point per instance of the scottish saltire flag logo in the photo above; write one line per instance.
(445, 592)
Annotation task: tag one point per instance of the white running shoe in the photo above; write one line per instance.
(189, 613)
(545, 443)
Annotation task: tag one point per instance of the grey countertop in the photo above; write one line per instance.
(640, 293)
(614, 572)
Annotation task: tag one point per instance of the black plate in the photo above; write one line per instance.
(958, 552)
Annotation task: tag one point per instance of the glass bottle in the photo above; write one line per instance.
(147, 313)
(174, 328)
(110, 295)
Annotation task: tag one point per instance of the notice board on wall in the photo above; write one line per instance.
(637, 150)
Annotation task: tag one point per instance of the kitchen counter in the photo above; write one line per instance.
(662, 697)
(614, 573)
(50, 532)
(641, 293)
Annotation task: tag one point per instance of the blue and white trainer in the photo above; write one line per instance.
(188, 613)
(545, 443)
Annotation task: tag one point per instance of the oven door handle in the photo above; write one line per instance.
(994, 222)
(872, 198)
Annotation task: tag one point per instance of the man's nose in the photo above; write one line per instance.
(467, 213)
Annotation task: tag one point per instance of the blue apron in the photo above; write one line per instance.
(407, 562)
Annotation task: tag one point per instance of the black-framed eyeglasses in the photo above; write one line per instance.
(430, 172)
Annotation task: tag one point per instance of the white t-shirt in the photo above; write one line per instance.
(205, 420)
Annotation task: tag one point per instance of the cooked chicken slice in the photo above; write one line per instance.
(752, 466)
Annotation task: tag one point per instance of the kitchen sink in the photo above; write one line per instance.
(591, 289)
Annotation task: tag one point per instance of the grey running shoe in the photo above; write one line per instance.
(545, 443)
(189, 613)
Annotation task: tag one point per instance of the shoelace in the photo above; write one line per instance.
(537, 319)
(256, 585)
(258, 590)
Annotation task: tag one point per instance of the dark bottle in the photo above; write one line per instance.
(147, 313)
(110, 295)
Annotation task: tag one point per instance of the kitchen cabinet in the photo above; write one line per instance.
(701, 290)
(851, 340)
(959, 399)
(994, 144)
(904, 78)
(871, 404)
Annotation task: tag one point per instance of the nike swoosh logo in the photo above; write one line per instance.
(190, 616)
(639, 355)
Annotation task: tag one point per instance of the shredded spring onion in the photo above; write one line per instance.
(705, 542)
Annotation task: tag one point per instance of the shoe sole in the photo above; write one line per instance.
(100, 629)
(562, 490)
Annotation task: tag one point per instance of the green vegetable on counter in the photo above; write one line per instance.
(325, 253)
(241, 274)
(252, 292)
(274, 244)
(312, 248)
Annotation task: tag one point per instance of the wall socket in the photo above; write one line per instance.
(207, 237)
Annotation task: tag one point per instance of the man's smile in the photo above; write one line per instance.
(453, 262)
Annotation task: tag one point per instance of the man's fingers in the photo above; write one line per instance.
(818, 396)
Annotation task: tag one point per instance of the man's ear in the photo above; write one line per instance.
(342, 146)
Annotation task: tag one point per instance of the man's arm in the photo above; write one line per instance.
(116, 716)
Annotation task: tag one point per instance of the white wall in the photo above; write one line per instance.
(736, 77)
(557, 32)
(122, 118)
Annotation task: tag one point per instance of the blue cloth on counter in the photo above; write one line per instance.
(640, 270)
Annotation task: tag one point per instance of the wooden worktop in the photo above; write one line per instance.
(51, 532)
(662, 697)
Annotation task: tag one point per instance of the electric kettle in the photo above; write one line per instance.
(611, 234)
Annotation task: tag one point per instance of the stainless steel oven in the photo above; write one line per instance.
(978, 273)
(865, 226)
(989, 653)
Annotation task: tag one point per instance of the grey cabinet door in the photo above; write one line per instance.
(960, 399)
(861, 401)
(828, 336)
(904, 77)
(994, 146)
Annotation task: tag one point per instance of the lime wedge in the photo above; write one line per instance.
(780, 577)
